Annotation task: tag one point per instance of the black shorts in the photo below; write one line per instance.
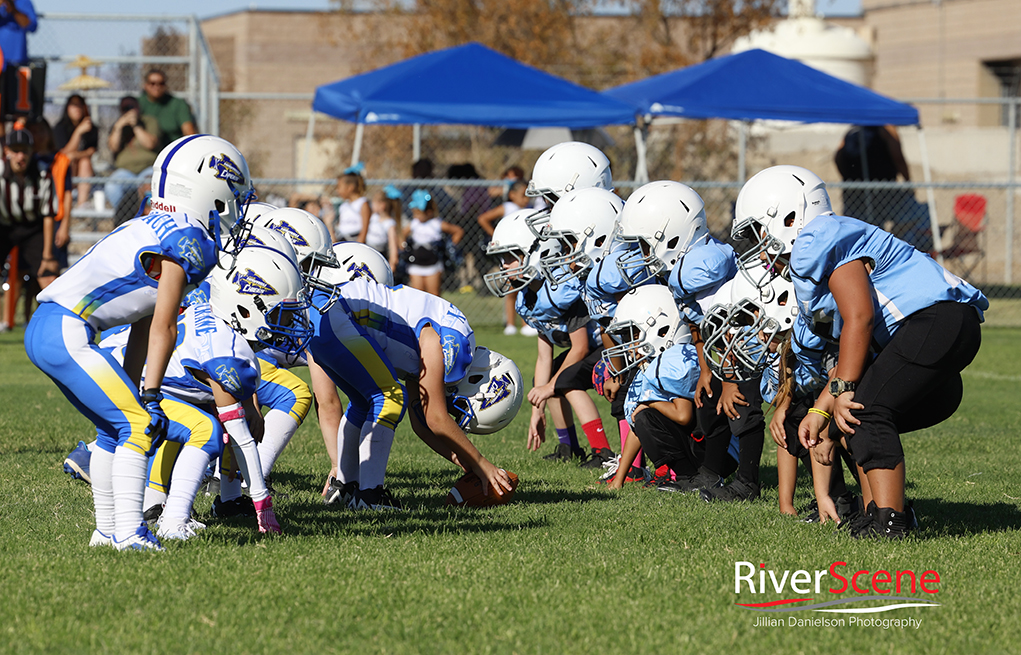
(576, 376)
(28, 238)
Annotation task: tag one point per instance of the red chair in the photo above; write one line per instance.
(970, 221)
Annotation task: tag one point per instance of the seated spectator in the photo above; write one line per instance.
(60, 172)
(172, 113)
(76, 136)
(133, 141)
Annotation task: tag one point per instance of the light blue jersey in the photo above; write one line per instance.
(814, 357)
(556, 313)
(699, 274)
(602, 287)
(904, 279)
(672, 374)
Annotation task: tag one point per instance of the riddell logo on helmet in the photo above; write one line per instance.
(162, 205)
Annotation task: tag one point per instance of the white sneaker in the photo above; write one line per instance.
(510, 331)
(143, 539)
(178, 530)
(100, 539)
(528, 331)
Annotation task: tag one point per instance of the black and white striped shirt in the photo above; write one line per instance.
(29, 199)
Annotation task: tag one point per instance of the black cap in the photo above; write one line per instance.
(16, 138)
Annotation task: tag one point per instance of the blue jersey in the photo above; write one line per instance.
(110, 284)
(698, 275)
(672, 374)
(556, 313)
(904, 279)
(602, 287)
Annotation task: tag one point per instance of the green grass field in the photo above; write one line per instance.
(567, 567)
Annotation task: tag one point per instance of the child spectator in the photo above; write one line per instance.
(384, 224)
(354, 213)
(516, 201)
(424, 236)
(76, 136)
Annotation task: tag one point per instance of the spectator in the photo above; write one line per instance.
(76, 136)
(424, 236)
(384, 224)
(512, 174)
(133, 141)
(17, 19)
(60, 171)
(423, 170)
(516, 201)
(173, 114)
(871, 154)
(474, 201)
(27, 207)
(354, 213)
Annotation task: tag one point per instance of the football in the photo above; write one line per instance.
(467, 492)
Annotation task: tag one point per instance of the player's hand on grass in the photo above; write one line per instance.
(536, 430)
(827, 509)
(703, 385)
(842, 407)
(730, 399)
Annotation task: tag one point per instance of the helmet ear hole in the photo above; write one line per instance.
(672, 243)
(220, 206)
(600, 241)
(475, 379)
(663, 331)
(788, 221)
(243, 311)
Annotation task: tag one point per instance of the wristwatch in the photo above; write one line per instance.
(838, 386)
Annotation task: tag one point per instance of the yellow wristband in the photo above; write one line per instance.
(824, 414)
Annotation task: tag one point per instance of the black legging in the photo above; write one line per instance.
(749, 428)
(914, 382)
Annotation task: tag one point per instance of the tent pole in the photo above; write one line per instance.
(742, 161)
(930, 196)
(308, 144)
(1008, 257)
(356, 152)
(416, 148)
(641, 165)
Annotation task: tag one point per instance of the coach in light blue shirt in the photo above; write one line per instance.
(17, 19)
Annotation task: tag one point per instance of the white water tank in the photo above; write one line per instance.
(833, 49)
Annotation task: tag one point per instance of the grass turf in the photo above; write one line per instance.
(567, 567)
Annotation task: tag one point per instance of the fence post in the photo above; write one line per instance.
(193, 69)
(1008, 258)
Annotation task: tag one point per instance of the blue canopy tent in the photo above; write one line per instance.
(759, 85)
(466, 85)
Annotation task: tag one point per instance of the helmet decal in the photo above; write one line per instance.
(226, 169)
(285, 228)
(498, 389)
(450, 351)
(190, 252)
(361, 269)
(229, 378)
(251, 284)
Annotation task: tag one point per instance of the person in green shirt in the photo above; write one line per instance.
(134, 142)
(172, 113)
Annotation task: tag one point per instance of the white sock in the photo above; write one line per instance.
(348, 438)
(153, 497)
(129, 477)
(373, 453)
(230, 489)
(91, 447)
(247, 456)
(280, 427)
(101, 471)
(188, 472)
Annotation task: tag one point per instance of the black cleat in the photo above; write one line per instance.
(736, 491)
(340, 493)
(240, 506)
(600, 458)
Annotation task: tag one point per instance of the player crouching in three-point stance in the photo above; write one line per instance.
(905, 325)
(369, 338)
(137, 275)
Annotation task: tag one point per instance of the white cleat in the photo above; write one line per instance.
(143, 539)
(100, 539)
(178, 530)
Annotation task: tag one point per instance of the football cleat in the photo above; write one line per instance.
(240, 506)
(178, 530)
(377, 498)
(704, 479)
(599, 458)
(660, 476)
(153, 513)
(76, 464)
(100, 539)
(212, 487)
(339, 493)
(564, 453)
(737, 490)
(143, 539)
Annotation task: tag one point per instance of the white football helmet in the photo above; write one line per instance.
(263, 236)
(661, 220)
(257, 209)
(308, 235)
(260, 296)
(205, 176)
(355, 260)
(646, 323)
(743, 336)
(519, 252)
(565, 167)
(772, 209)
(489, 396)
(583, 223)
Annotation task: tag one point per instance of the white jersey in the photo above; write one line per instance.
(395, 316)
(378, 236)
(349, 219)
(110, 284)
(206, 343)
(426, 233)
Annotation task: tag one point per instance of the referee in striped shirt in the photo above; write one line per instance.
(27, 207)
